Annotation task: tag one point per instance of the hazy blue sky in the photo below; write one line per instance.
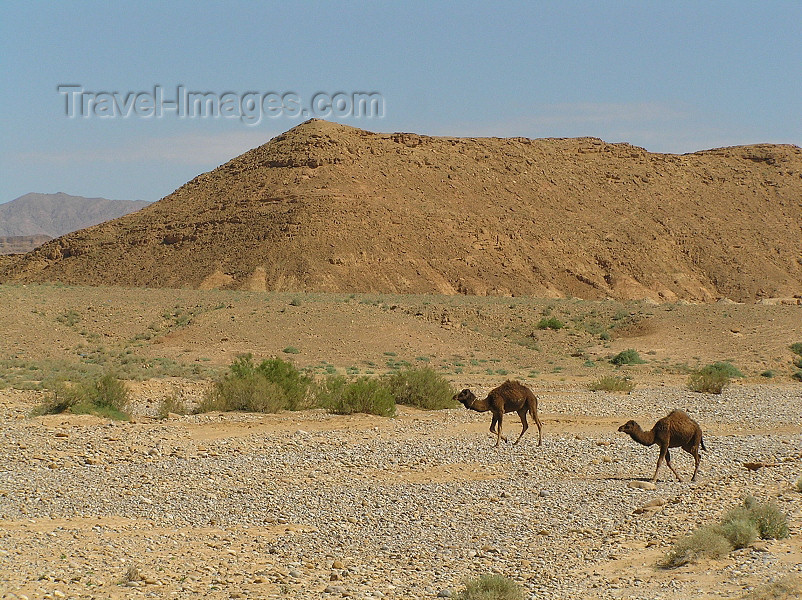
(668, 76)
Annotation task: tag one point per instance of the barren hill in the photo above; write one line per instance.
(326, 207)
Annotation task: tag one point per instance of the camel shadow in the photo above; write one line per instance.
(621, 478)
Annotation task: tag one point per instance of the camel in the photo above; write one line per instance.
(510, 396)
(676, 430)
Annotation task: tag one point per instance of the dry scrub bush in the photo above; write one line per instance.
(611, 383)
(738, 528)
(491, 587)
(785, 588)
(104, 395)
(771, 522)
(705, 542)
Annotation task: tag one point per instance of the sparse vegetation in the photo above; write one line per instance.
(705, 542)
(785, 588)
(612, 383)
(104, 396)
(421, 387)
(799, 485)
(491, 587)
(69, 317)
(629, 356)
(291, 350)
(796, 348)
(738, 528)
(770, 521)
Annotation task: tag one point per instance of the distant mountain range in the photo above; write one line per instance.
(32, 219)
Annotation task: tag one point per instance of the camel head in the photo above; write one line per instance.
(629, 427)
(466, 397)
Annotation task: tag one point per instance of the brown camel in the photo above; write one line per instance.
(510, 396)
(677, 430)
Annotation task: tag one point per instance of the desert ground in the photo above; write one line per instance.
(312, 505)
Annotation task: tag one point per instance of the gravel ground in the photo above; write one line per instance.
(310, 505)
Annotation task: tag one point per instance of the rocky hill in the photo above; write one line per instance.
(326, 207)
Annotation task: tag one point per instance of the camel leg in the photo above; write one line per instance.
(539, 430)
(493, 424)
(663, 452)
(524, 424)
(499, 436)
(696, 458)
(670, 466)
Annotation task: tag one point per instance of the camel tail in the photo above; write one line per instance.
(702, 444)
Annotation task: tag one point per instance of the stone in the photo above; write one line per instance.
(642, 485)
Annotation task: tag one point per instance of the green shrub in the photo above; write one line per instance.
(740, 531)
(767, 374)
(627, 357)
(708, 381)
(102, 395)
(491, 587)
(291, 350)
(273, 385)
(796, 348)
(797, 376)
(611, 383)
(723, 367)
(422, 387)
(798, 363)
(363, 395)
(550, 323)
(738, 528)
(293, 383)
(771, 522)
(768, 520)
(705, 542)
